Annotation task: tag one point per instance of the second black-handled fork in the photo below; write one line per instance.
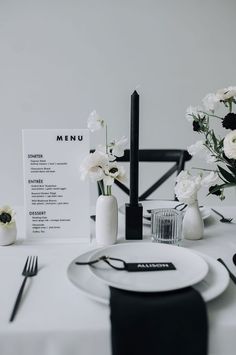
(30, 269)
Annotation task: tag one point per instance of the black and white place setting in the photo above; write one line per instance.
(144, 276)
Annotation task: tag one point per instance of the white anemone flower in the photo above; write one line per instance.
(101, 165)
(114, 172)
(196, 148)
(95, 122)
(226, 93)
(210, 102)
(103, 149)
(230, 145)
(94, 166)
(117, 147)
(6, 216)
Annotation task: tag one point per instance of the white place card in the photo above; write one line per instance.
(56, 200)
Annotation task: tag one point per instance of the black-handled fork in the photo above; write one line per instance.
(30, 270)
(223, 219)
(231, 275)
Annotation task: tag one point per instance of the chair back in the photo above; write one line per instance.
(177, 156)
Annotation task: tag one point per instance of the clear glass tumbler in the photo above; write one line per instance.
(166, 226)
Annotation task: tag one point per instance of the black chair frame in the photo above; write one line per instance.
(177, 156)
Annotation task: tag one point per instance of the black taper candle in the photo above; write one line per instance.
(134, 210)
(134, 149)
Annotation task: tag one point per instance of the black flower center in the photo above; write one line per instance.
(229, 122)
(113, 170)
(5, 217)
(196, 126)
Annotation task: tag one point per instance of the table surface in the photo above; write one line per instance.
(56, 318)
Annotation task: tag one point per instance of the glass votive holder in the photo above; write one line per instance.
(166, 226)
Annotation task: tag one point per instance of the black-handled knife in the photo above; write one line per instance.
(231, 275)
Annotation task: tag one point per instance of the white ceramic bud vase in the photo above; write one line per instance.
(193, 226)
(8, 234)
(106, 220)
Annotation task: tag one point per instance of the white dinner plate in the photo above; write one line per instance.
(190, 267)
(153, 204)
(213, 285)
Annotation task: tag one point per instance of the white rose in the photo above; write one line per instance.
(196, 148)
(210, 102)
(95, 122)
(210, 179)
(210, 159)
(230, 145)
(186, 191)
(226, 93)
(197, 181)
(183, 175)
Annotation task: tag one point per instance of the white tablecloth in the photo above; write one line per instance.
(56, 318)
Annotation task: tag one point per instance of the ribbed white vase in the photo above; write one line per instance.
(106, 220)
(8, 234)
(193, 226)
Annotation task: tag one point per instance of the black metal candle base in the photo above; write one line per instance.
(133, 221)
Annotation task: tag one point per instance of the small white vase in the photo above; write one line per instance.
(193, 226)
(8, 234)
(106, 220)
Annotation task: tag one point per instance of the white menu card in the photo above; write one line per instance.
(56, 200)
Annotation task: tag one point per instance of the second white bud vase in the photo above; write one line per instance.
(106, 220)
(8, 234)
(193, 226)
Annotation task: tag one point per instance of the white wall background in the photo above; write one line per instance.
(59, 59)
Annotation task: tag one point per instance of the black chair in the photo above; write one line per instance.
(177, 156)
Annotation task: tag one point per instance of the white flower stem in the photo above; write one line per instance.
(109, 190)
(215, 171)
(106, 140)
(101, 187)
(211, 115)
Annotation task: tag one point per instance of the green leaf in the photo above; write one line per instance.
(226, 186)
(216, 188)
(221, 187)
(215, 142)
(221, 143)
(226, 175)
(232, 169)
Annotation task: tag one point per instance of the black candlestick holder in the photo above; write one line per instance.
(133, 221)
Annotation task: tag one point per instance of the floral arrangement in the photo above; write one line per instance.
(219, 150)
(101, 166)
(6, 216)
(187, 185)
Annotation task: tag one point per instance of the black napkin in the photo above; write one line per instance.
(163, 323)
